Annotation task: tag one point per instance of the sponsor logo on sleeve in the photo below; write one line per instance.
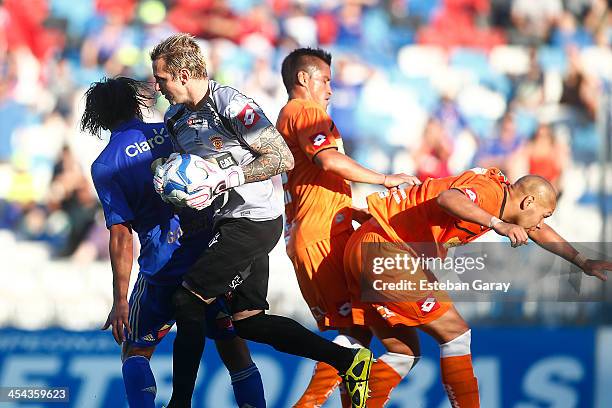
(248, 116)
(319, 140)
(471, 194)
(479, 170)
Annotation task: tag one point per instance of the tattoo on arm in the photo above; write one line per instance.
(275, 156)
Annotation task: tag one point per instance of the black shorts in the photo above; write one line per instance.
(236, 261)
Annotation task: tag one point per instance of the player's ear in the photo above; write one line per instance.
(184, 76)
(527, 202)
(303, 77)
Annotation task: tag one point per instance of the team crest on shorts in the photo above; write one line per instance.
(384, 312)
(217, 142)
(344, 309)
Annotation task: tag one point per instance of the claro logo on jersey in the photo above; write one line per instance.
(248, 116)
(146, 145)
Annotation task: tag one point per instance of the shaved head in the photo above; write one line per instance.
(539, 188)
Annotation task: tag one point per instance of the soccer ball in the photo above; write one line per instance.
(183, 177)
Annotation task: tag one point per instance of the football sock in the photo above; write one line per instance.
(289, 336)
(387, 372)
(345, 398)
(458, 374)
(139, 382)
(188, 346)
(248, 388)
(325, 379)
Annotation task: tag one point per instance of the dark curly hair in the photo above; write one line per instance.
(112, 101)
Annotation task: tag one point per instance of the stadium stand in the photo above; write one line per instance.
(426, 87)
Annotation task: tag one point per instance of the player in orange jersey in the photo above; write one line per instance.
(443, 212)
(318, 205)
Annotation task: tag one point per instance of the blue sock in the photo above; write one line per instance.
(248, 388)
(139, 382)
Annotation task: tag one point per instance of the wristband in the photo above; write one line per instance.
(579, 259)
(494, 221)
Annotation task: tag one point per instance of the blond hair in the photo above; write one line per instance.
(180, 51)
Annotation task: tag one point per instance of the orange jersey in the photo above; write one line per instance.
(413, 215)
(317, 203)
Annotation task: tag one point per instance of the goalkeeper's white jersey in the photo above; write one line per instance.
(223, 129)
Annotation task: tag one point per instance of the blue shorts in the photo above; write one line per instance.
(151, 315)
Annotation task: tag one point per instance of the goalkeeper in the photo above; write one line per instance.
(123, 180)
(218, 122)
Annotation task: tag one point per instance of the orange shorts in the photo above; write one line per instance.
(320, 274)
(403, 304)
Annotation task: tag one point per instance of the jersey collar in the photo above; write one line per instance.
(126, 125)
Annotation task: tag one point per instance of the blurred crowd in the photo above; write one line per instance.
(427, 87)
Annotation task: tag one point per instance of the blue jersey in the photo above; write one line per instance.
(124, 182)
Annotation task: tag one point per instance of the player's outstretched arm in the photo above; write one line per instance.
(347, 168)
(275, 156)
(458, 205)
(549, 239)
(121, 254)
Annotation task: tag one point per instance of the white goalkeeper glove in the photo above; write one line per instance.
(159, 167)
(218, 181)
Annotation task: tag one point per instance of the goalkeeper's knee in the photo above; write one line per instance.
(188, 307)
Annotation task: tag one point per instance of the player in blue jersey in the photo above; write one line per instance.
(169, 246)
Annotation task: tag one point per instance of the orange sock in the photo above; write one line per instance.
(387, 372)
(324, 381)
(345, 399)
(459, 381)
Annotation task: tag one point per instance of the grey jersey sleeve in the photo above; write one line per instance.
(246, 117)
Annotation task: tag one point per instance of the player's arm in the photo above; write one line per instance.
(274, 156)
(117, 212)
(121, 255)
(253, 128)
(340, 164)
(460, 206)
(549, 239)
